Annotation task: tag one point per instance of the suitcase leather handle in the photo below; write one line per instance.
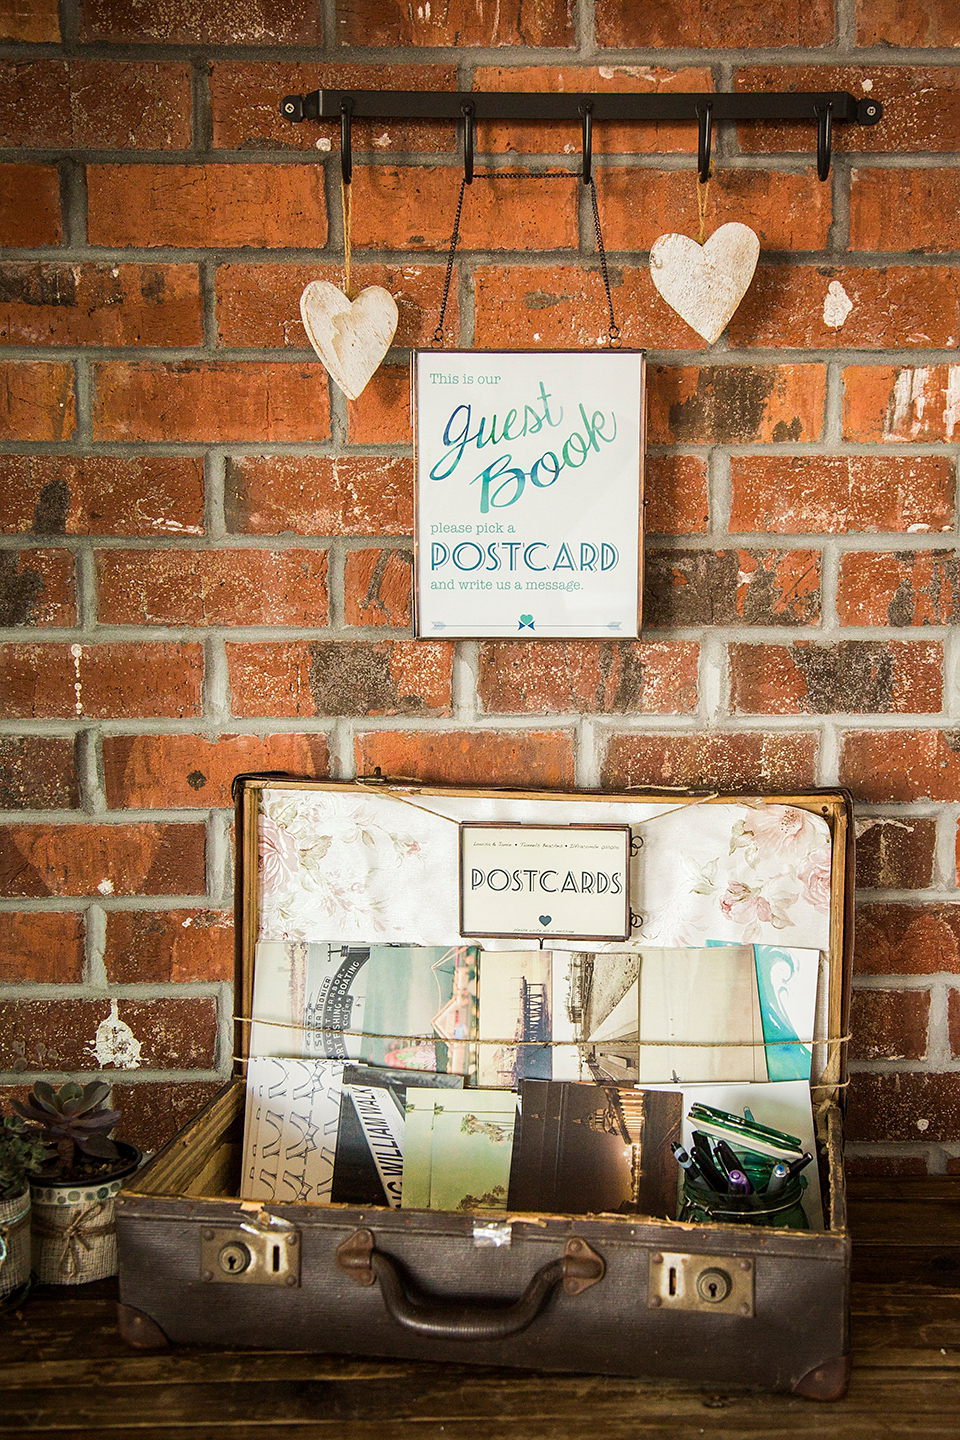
(578, 1269)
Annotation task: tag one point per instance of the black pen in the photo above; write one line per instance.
(701, 1154)
(797, 1165)
(686, 1163)
(727, 1156)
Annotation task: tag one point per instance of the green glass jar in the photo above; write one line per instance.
(784, 1210)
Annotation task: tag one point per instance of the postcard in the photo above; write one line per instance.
(589, 1149)
(468, 1136)
(290, 1134)
(663, 1015)
(787, 980)
(368, 1169)
(525, 1026)
(404, 1006)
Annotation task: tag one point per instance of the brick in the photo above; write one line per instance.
(29, 20)
(894, 402)
(593, 676)
(735, 404)
(381, 415)
(527, 758)
(553, 137)
(38, 401)
(788, 212)
(907, 22)
(37, 587)
(413, 208)
(889, 1024)
(100, 860)
(101, 681)
(675, 495)
(156, 772)
(899, 307)
(29, 206)
(244, 97)
(377, 587)
(921, 107)
(316, 495)
(902, 210)
(715, 760)
(854, 676)
(906, 587)
(101, 495)
(199, 402)
(63, 1034)
(565, 307)
(150, 1115)
(837, 494)
(732, 587)
(222, 206)
(899, 939)
(723, 25)
(212, 587)
(37, 772)
(94, 104)
(160, 946)
(911, 1106)
(326, 677)
(204, 22)
(53, 303)
(461, 23)
(895, 854)
(880, 765)
(41, 948)
(259, 305)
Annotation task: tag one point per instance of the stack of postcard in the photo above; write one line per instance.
(457, 1149)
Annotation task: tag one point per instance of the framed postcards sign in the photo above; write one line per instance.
(529, 492)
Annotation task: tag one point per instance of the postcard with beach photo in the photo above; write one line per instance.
(457, 1149)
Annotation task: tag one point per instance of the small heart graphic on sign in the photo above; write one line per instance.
(704, 284)
(545, 919)
(526, 620)
(351, 337)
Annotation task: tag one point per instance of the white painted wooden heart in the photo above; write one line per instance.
(705, 283)
(351, 337)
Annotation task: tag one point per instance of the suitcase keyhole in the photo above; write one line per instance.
(714, 1285)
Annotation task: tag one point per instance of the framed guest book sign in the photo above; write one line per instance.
(529, 492)
(536, 881)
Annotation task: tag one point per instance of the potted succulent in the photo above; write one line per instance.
(20, 1153)
(73, 1189)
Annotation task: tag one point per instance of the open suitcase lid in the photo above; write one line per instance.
(378, 860)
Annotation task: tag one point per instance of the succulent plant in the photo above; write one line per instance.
(72, 1119)
(20, 1152)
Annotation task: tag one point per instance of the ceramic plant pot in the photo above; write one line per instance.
(14, 1243)
(74, 1233)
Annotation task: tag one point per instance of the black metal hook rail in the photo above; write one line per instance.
(821, 107)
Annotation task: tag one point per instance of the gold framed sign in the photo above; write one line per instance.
(541, 881)
(529, 492)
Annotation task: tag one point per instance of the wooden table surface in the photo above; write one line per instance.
(64, 1370)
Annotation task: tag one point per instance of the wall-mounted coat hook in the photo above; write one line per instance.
(346, 140)
(824, 139)
(587, 112)
(823, 108)
(704, 139)
(469, 121)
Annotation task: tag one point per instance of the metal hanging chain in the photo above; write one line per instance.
(614, 330)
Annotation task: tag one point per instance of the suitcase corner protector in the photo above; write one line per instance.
(828, 1381)
(138, 1330)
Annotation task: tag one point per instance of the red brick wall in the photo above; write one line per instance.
(205, 550)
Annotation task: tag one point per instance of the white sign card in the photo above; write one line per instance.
(528, 881)
(529, 492)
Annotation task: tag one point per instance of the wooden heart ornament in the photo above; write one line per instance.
(704, 284)
(351, 337)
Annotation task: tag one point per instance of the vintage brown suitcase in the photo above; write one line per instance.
(717, 1304)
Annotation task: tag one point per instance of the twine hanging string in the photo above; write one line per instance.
(346, 206)
(703, 191)
(78, 1233)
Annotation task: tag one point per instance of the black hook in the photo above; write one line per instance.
(704, 136)
(468, 113)
(587, 112)
(346, 150)
(824, 138)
